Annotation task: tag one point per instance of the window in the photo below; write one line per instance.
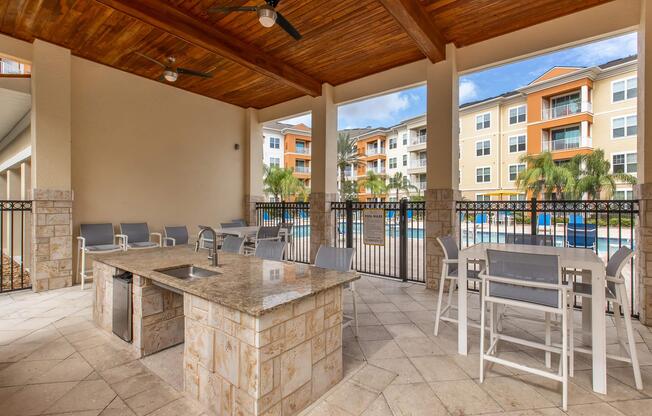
(483, 175)
(624, 194)
(517, 114)
(623, 126)
(274, 161)
(482, 197)
(483, 121)
(564, 138)
(514, 170)
(566, 105)
(274, 143)
(404, 139)
(517, 143)
(392, 163)
(517, 197)
(624, 162)
(624, 89)
(392, 143)
(483, 148)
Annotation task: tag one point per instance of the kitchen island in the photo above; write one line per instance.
(261, 337)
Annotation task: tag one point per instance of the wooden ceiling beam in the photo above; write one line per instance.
(173, 21)
(419, 26)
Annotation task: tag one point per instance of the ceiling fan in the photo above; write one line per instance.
(267, 15)
(171, 72)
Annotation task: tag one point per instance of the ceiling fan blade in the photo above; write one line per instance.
(194, 73)
(150, 59)
(227, 9)
(287, 26)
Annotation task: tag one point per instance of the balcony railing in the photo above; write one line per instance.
(422, 186)
(375, 151)
(302, 150)
(565, 110)
(418, 163)
(378, 170)
(566, 144)
(302, 169)
(420, 139)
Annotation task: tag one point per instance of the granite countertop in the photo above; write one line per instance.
(246, 283)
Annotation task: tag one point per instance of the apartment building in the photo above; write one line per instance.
(566, 110)
(286, 145)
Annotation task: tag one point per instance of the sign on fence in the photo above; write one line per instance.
(373, 221)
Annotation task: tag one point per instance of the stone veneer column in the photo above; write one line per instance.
(51, 236)
(644, 252)
(321, 221)
(440, 220)
(250, 208)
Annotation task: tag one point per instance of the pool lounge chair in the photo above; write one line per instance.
(581, 235)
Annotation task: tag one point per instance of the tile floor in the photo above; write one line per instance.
(53, 361)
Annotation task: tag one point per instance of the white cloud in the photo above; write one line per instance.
(607, 50)
(468, 90)
(304, 119)
(375, 110)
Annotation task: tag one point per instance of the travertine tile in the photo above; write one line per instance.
(595, 409)
(414, 400)
(464, 397)
(514, 394)
(87, 395)
(378, 408)
(407, 373)
(34, 399)
(634, 407)
(73, 368)
(352, 398)
(374, 378)
(227, 357)
(438, 368)
(381, 349)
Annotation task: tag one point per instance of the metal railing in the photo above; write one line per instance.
(378, 170)
(418, 163)
(295, 213)
(372, 151)
(419, 139)
(15, 226)
(602, 226)
(302, 169)
(302, 150)
(567, 143)
(403, 254)
(565, 110)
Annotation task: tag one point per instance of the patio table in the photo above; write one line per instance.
(571, 258)
(249, 231)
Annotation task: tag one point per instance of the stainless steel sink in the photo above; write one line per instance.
(187, 271)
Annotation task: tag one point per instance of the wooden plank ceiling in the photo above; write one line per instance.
(342, 40)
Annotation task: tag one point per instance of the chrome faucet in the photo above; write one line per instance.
(212, 252)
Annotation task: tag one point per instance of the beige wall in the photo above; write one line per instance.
(143, 151)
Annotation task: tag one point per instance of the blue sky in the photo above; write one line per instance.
(390, 109)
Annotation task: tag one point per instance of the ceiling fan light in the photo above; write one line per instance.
(266, 16)
(170, 75)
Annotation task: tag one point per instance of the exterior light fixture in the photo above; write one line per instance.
(266, 15)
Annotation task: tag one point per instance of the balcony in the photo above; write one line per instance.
(419, 139)
(302, 169)
(380, 170)
(422, 186)
(566, 110)
(568, 143)
(417, 166)
(374, 151)
(302, 150)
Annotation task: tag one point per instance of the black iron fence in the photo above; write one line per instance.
(15, 227)
(295, 218)
(402, 255)
(602, 226)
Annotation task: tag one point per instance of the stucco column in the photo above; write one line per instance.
(51, 264)
(442, 171)
(324, 169)
(253, 165)
(13, 194)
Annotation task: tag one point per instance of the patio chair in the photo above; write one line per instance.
(94, 239)
(240, 221)
(582, 235)
(481, 219)
(286, 231)
(175, 235)
(544, 221)
(264, 234)
(270, 250)
(527, 281)
(207, 237)
(136, 236)
(230, 225)
(449, 271)
(616, 293)
(340, 259)
(232, 244)
(576, 219)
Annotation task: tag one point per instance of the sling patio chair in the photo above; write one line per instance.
(270, 250)
(175, 235)
(136, 236)
(94, 239)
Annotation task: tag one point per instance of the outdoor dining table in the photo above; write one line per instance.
(593, 313)
(249, 231)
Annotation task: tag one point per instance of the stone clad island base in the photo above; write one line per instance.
(236, 363)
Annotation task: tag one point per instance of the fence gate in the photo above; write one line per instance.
(15, 229)
(294, 217)
(403, 254)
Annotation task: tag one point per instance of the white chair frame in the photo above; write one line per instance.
(620, 300)
(81, 256)
(124, 241)
(495, 336)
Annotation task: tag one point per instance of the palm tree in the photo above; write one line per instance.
(347, 155)
(399, 182)
(543, 175)
(375, 183)
(349, 190)
(281, 183)
(594, 176)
